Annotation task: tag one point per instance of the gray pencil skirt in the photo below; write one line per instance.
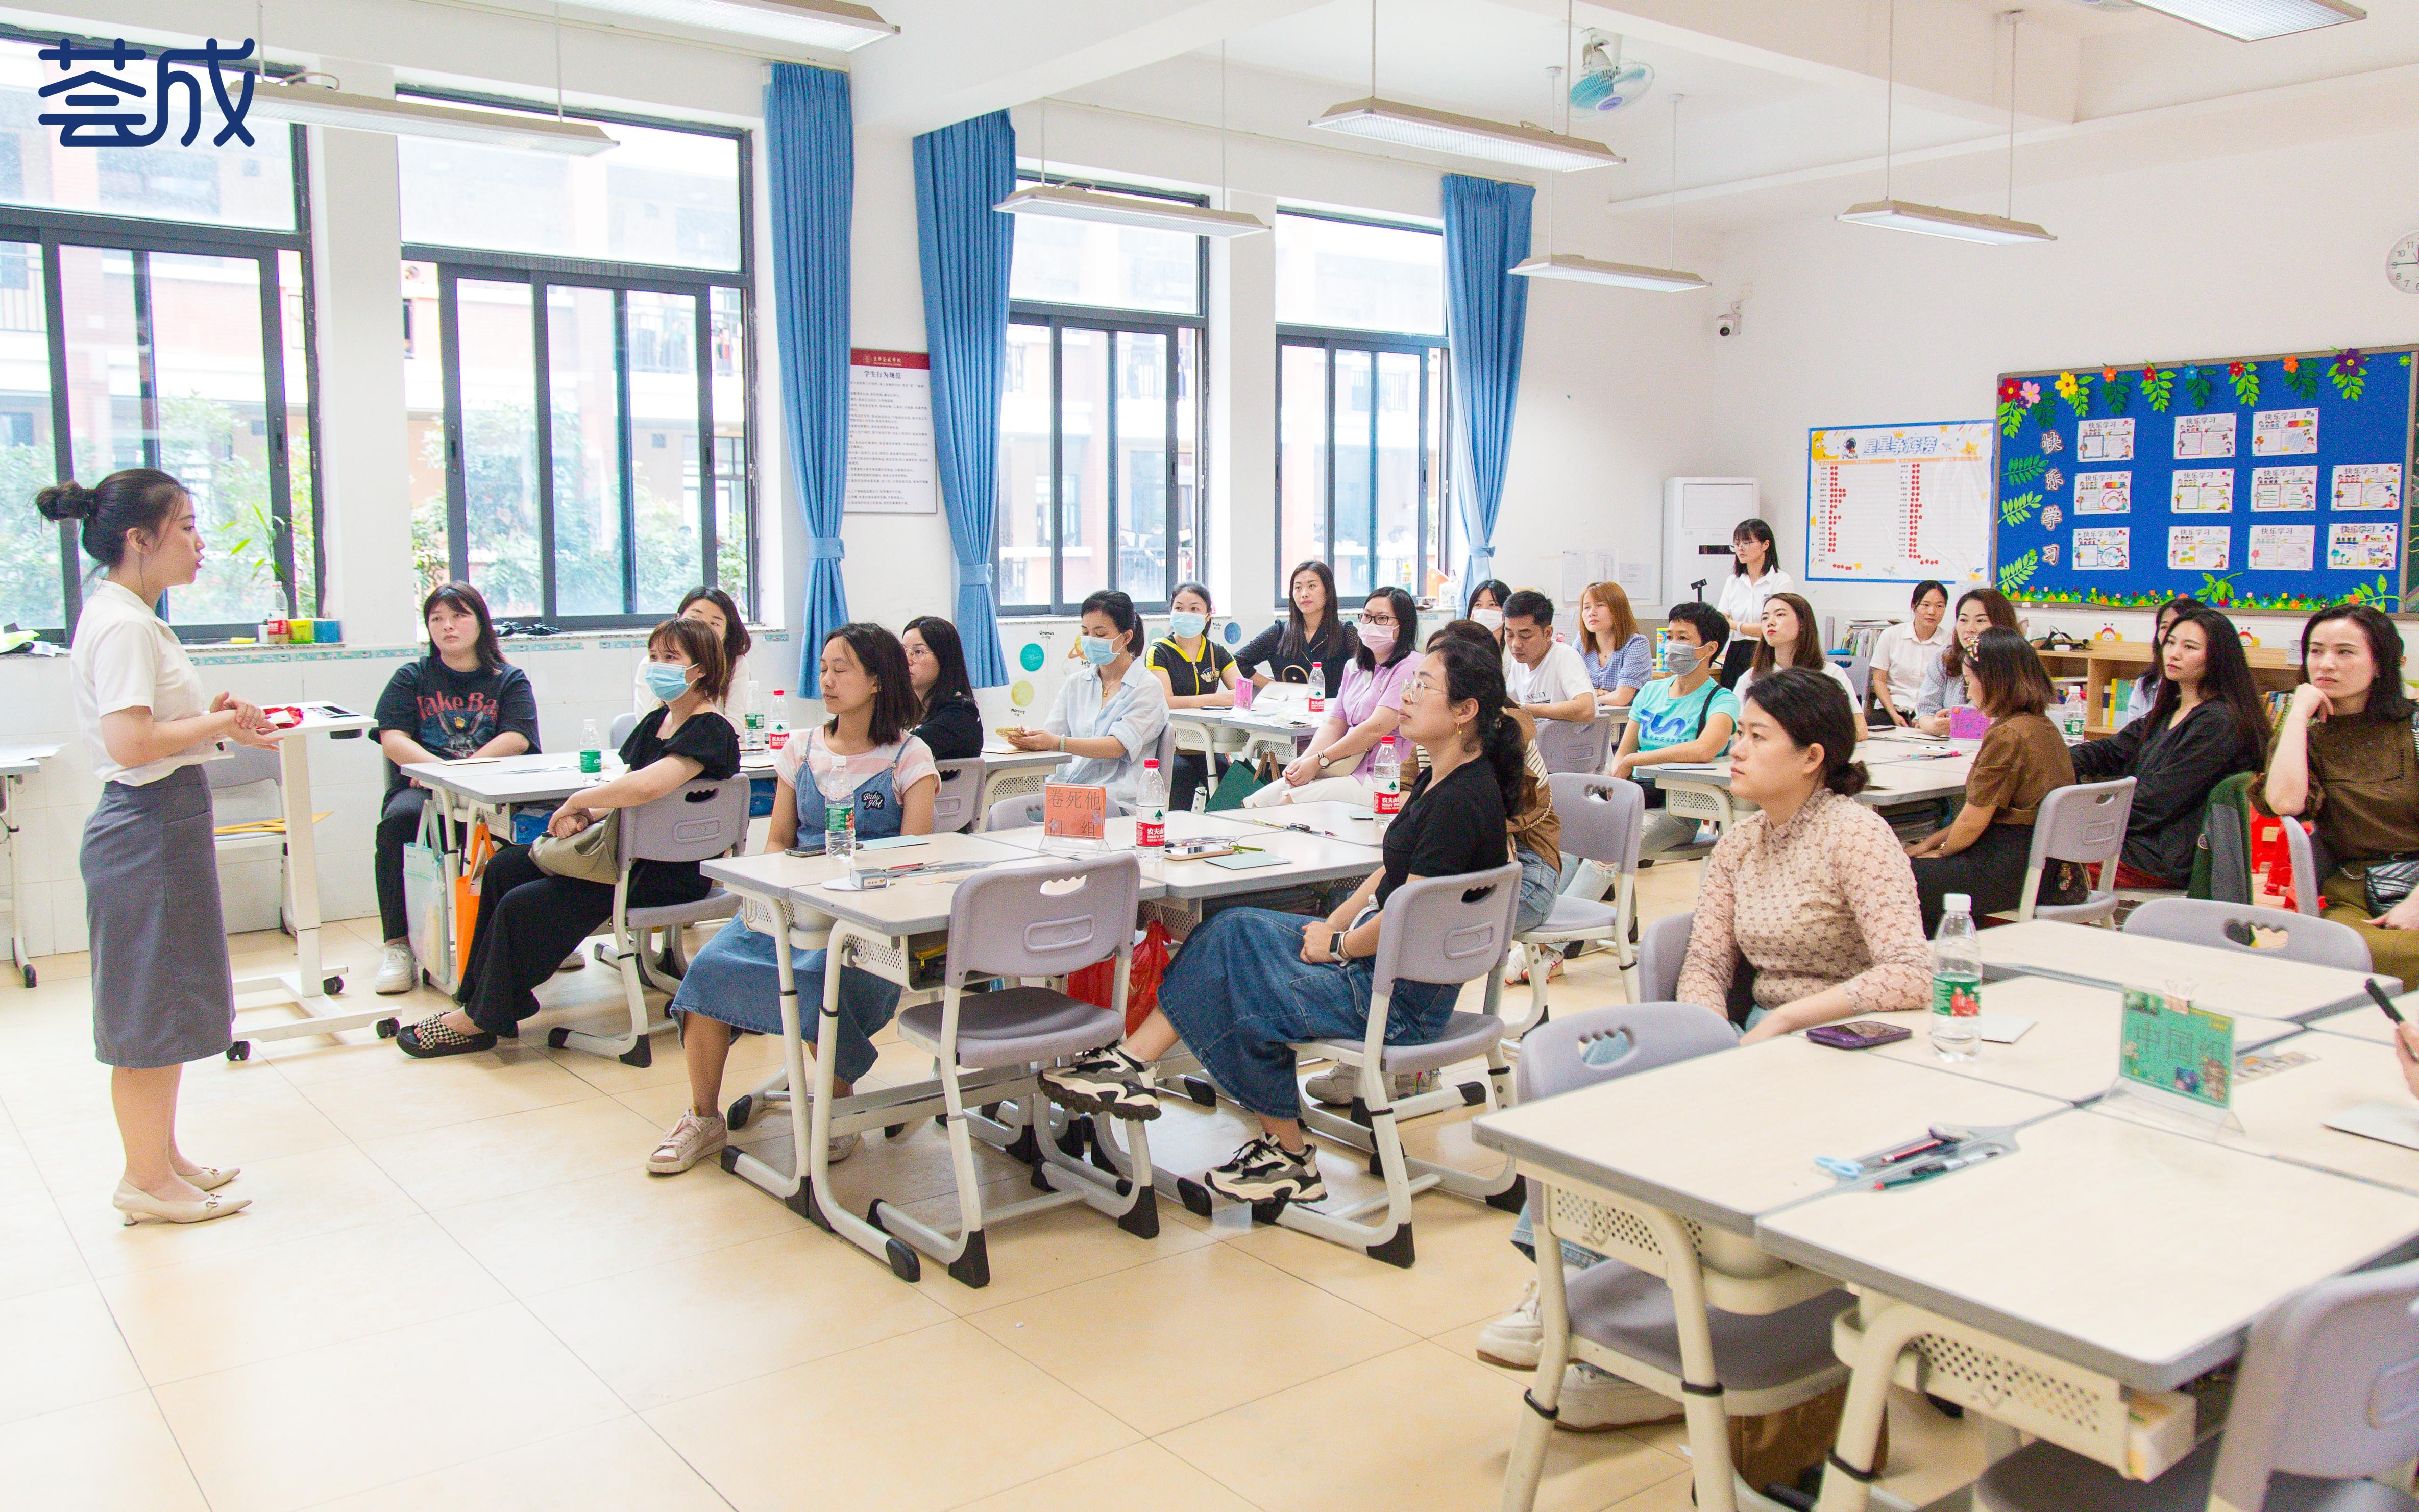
(162, 990)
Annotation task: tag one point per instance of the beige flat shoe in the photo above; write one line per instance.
(211, 1177)
(140, 1205)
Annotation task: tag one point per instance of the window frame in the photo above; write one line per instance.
(1435, 357)
(541, 271)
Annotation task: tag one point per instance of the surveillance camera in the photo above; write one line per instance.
(1726, 325)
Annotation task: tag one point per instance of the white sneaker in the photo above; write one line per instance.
(696, 1137)
(841, 1146)
(1594, 1401)
(1518, 1337)
(397, 971)
(1339, 1087)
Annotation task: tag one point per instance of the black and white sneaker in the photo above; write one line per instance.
(1264, 1171)
(1108, 1081)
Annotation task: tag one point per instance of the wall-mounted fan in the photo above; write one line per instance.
(1606, 81)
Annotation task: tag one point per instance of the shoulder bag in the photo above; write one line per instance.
(593, 854)
(2390, 881)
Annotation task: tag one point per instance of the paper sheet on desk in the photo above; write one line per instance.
(2396, 1123)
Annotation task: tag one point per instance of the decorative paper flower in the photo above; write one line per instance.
(2008, 390)
(2107, 375)
(2032, 394)
(2056, 480)
(2052, 442)
(2234, 369)
(2292, 364)
(2149, 372)
(2052, 519)
(2049, 554)
(2065, 385)
(2350, 361)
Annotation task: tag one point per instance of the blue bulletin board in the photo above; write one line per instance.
(2272, 483)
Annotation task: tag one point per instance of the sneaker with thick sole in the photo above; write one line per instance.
(397, 971)
(1597, 1401)
(1108, 1081)
(1338, 1087)
(1517, 1339)
(696, 1137)
(1264, 1170)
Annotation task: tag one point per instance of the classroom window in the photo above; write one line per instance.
(164, 324)
(1354, 275)
(1361, 461)
(578, 395)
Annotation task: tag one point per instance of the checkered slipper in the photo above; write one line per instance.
(430, 1038)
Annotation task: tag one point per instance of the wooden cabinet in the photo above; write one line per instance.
(2272, 667)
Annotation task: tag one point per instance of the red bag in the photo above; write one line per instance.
(1097, 982)
(2272, 861)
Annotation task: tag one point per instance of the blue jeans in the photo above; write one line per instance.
(1242, 998)
(1540, 880)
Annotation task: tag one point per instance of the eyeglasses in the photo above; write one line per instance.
(1387, 620)
(1420, 684)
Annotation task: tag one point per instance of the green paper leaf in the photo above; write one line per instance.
(2245, 385)
(2019, 509)
(2011, 419)
(2117, 395)
(2019, 572)
(2156, 392)
(2025, 469)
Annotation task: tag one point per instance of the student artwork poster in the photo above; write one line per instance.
(2229, 480)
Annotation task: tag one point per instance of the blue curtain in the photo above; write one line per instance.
(1486, 314)
(962, 170)
(810, 158)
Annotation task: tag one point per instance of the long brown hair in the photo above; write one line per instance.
(2011, 673)
(1624, 622)
(2225, 679)
(1807, 650)
(2003, 617)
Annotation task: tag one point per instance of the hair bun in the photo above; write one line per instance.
(66, 500)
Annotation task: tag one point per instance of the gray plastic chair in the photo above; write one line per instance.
(2306, 897)
(1014, 813)
(2311, 940)
(2326, 1394)
(695, 821)
(1602, 820)
(954, 806)
(1860, 677)
(1662, 950)
(255, 774)
(2082, 821)
(1043, 918)
(1450, 929)
(1566, 746)
(619, 730)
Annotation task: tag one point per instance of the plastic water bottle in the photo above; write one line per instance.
(592, 747)
(1386, 776)
(1956, 981)
(839, 824)
(2072, 715)
(751, 719)
(779, 734)
(1151, 812)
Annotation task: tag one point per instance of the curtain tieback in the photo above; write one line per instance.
(1481, 558)
(825, 549)
(973, 575)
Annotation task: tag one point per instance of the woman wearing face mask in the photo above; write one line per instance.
(529, 920)
(1311, 645)
(1487, 603)
(1944, 684)
(715, 610)
(947, 720)
(1756, 577)
(1195, 673)
(1109, 712)
(2145, 692)
(1365, 715)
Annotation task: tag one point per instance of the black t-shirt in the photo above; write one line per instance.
(952, 732)
(1186, 677)
(1446, 828)
(452, 714)
(704, 737)
(1325, 655)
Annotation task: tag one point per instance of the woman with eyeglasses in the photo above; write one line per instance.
(1366, 713)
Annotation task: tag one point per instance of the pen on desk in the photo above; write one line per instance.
(1908, 1175)
(2378, 994)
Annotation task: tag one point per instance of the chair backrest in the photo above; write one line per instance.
(2305, 857)
(1662, 948)
(1555, 1056)
(2082, 821)
(694, 822)
(954, 806)
(618, 732)
(2309, 939)
(1860, 677)
(1565, 746)
(2329, 1386)
(1043, 918)
(1165, 752)
(1434, 932)
(241, 767)
(1602, 818)
(1014, 813)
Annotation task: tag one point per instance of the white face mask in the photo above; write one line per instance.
(1492, 618)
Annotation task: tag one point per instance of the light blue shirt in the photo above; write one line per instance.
(1629, 667)
(1937, 695)
(1135, 715)
(1663, 721)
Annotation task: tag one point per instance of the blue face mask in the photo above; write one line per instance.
(1679, 660)
(666, 681)
(1099, 650)
(1184, 624)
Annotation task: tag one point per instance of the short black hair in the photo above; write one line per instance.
(1754, 529)
(1119, 607)
(885, 661)
(1494, 588)
(1814, 710)
(1530, 604)
(940, 638)
(1929, 585)
(1712, 626)
(1407, 628)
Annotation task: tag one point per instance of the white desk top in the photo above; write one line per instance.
(24, 760)
(1897, 776)
(1726, 1137)
(904, 907)
(330, 719)
(538, 779)
(2071, 1051)
(2366, 1021)
(2132, 1251)
(1308, 858)
(2241, 982)
(997, 758)
(1336, 820)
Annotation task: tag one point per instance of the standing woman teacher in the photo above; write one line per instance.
(1755, 576)
(163, 989)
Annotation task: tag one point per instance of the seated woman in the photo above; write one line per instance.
(529, 920)
(1792, 639)
(462, 699)
(1905, 653)
(1310, 645)
(713, 609)
(947, 720)
(1109, 712)
(2145, 692)
(1195, 673)
(1364, 714)
(2022, 760)
(2344, 759)
(1944, 682)
(2206, 724)
(863, 756)
(1618, 657)
(1485, 604)
(1251, 983)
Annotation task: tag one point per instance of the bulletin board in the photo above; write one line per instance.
(2271, 483)
(1899, 503)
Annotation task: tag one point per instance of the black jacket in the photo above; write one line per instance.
(2174, 767)
(953, 730)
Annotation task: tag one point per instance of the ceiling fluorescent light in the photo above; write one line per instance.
(1571, 265)
(1069, 202)
(832, 24)
(1933, 221)
(312, 104)
(1466, 136)
(2255, 21)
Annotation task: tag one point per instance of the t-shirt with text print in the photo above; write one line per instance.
(453, 714)
(1664, 720)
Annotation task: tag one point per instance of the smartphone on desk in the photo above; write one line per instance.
(1859, 1033)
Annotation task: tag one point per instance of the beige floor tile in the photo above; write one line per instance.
(63, 966)
(1418, 1415)
(661, 1106)
(1182, 1338)
(673, 1331)
(222, 1311)
(926, 1421)
(107, 1456)
(1466, 1268)
(432, 1094)
(355, 1053)
(516, 1152)
(1678, 1493)
(1139, 1475)
(37, 1252)
(619, 1466)
(70, 1087)
(603, 1225)
(304, 1428)
(293, 1197)
(69, 1351)
(269, 1120)
(1046, 1251)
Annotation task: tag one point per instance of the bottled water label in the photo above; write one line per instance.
(1150, 829)
(1957, 997)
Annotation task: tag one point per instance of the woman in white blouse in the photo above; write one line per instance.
(1109, 712)
(163, 989)
(1756, 577)
(1904, 654)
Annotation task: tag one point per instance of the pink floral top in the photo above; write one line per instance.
(1826, 899)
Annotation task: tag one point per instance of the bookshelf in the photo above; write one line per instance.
(2275, 669)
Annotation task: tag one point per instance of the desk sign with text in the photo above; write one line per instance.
(2172, 1047)
(1074, 811)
